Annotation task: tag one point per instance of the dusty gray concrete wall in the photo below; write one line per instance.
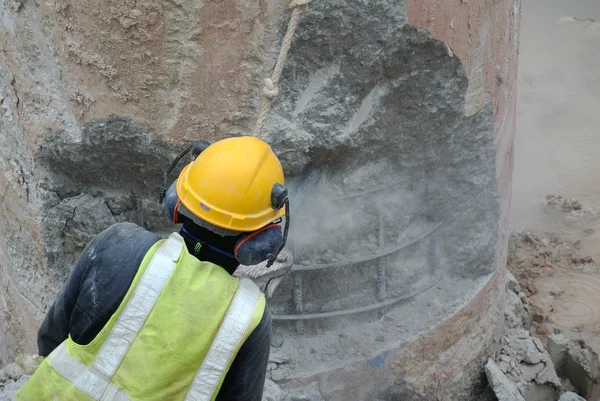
(97, 98)
(373, 105)
(381, 104)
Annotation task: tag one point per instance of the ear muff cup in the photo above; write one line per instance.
(172, 203)
(257, 246)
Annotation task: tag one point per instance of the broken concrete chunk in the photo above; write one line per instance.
(8, 389)
(526, 363)
(582, 368)
(308, 393)
(557, 346)
(585, 357)
(512, 284)
(569, 396)
(514, 313)
(272, 392)
(537, 392)
(503, 387)
(13, 371)
(28, 363)
(578, 363)
(529, 360)
(278, 358)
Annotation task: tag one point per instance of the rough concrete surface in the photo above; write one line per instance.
(569, 396)
(412, 107)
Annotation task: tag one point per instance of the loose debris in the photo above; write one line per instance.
(532, 255)
(577, 363)
(522, 359)
(569, 396)
(566, 370)
(503, 387)
(12, 378)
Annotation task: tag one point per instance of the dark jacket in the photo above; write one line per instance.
(98, 284)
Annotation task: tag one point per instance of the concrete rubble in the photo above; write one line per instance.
(577, 363)
(569, 396)
(523, 369)
(503, 387)
(525, 361)
(522, 358)
(12, 378)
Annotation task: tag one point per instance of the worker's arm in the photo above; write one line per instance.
(245, 379)
(55, 327)
(96, 286)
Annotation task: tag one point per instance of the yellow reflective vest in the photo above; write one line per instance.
(173, 337)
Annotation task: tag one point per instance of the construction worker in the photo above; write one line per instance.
(147, 319)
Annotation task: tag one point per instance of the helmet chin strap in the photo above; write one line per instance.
(273, 258)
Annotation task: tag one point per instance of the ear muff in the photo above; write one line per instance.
(172, 203)
(259, 245)
(279, 195)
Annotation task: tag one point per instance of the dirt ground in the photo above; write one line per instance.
(560, 273)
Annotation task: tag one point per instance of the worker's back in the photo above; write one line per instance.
(164, 341)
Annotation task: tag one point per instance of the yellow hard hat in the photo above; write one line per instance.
(233, 184)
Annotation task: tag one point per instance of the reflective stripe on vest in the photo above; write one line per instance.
(228, 339)
(95, 380)
(85, 380)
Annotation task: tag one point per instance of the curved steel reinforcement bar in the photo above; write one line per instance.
(381, 253)
(368, 308)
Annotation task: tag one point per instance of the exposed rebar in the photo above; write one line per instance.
(368, 308)
(366, 258)
(381, 285)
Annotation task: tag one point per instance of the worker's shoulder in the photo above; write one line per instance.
(125, 228)
(125, 235)
(120, 247)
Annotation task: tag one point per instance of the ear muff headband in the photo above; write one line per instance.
(196, 149)
(273, 257)
(172, 203)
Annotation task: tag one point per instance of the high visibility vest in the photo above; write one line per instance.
(174, 336)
